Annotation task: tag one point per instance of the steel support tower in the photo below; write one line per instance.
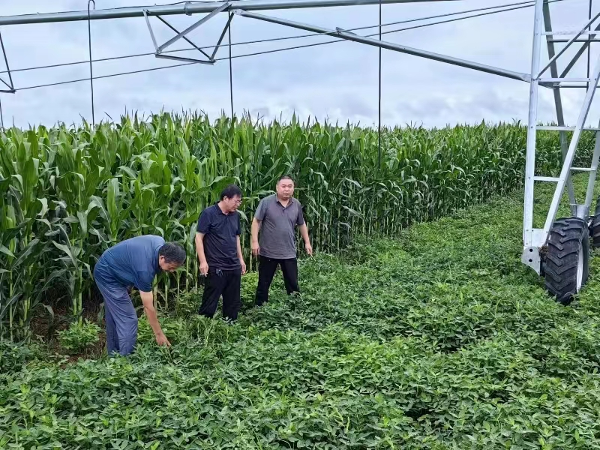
(560, 249)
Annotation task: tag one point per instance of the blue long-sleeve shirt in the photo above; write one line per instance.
(133, 262)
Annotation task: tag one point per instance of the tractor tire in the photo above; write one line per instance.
(595, 226)
(566, 263)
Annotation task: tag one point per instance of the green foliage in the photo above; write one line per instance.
(209, 331)
(188, 303)
(70, 193)
(174, 328)
(438, 339)
(14, 356)
(248, 287)
(79, 337)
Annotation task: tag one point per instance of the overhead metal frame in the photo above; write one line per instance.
(190, 8)
(534, 239)
(244, 8)
(182, 35)
(10, 85)
(349, 36)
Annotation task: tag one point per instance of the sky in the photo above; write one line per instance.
(336, 82)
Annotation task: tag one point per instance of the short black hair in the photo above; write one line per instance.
(173, 253)
(231, 191)
(286, 177)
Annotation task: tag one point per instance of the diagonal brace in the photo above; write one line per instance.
(573, 39)
(214, 53)
(593, 172)
(213, 13)
(568, 160)
(183, 37)
(10, 85)
(390, 46)
(176, 58)
(564, 145)
(580, 52)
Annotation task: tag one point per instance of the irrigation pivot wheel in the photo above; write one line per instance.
(595, 226)
(566, 263)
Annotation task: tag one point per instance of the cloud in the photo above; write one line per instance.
(336, 82)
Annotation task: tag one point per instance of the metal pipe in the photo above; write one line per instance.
(566, 33)
(11, 86)
(227, 25)
(564, 145)
(551, 81)
(159, 49)
(192, 27)
(189, 8)
(564, 49)
(531, 130)
(183, 58)
(593, 171)
(580, 52)
(390, 46)
(568, 86)
(91, 63)
(566, 168)
(562, 41)
(151, 32)
(589, 37)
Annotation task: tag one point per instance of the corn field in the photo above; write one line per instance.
(70, 193)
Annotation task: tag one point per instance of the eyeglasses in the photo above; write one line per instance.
(237, 201)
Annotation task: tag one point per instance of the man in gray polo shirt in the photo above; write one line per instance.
(276, 217)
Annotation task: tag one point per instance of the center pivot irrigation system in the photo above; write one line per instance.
(560, 250)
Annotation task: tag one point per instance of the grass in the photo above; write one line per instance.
(438, 339)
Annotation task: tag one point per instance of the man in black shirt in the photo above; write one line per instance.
(220, 254)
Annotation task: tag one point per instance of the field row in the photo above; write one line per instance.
(440, 339)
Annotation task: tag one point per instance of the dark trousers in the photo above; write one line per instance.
(226, 283)
(266, 271)
(121, 318)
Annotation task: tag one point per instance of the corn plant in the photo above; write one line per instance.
(69, 193)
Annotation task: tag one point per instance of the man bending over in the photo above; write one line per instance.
(133, 263)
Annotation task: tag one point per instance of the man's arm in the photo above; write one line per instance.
(304, 230)
(304, 233)
(200, 252)
(240, 255)
(254, 230)
(148, 301)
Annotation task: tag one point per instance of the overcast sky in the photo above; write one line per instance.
(338, 82)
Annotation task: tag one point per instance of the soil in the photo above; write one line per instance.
(44, 327)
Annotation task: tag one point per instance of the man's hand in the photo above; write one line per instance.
(243, 266)
(201, 255)
(204, 268)
(304, 233)
(255, 248)
(161, 339)
(148, 301)
(254, 236)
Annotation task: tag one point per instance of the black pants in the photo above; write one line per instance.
(266, 271)
(222, 282)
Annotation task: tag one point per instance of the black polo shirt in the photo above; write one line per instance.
(220, 237)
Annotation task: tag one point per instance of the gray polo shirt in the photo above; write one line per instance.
(277, 238)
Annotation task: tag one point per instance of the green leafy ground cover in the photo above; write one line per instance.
(439, 339)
